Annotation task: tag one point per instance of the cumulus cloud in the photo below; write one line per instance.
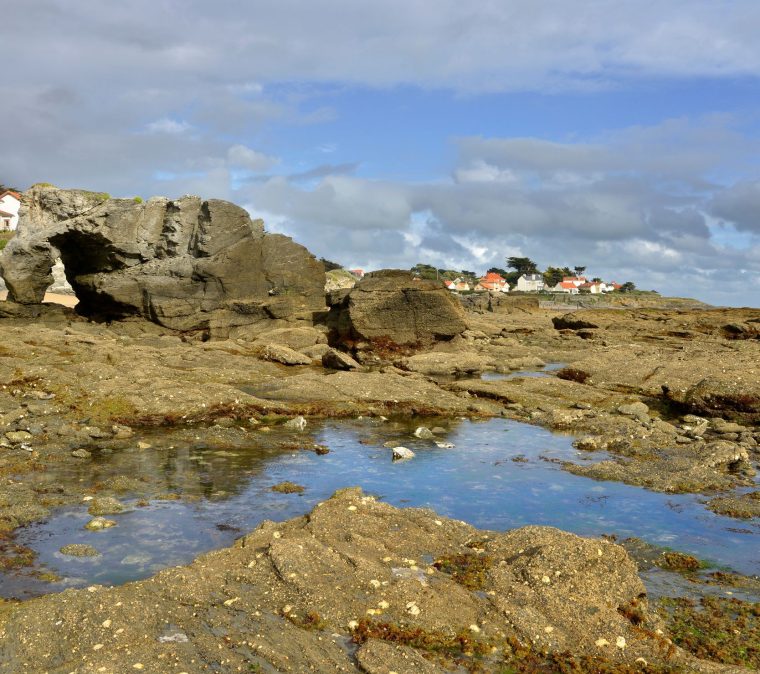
(739, 204)
(245, 157)
(559, 203)
(167, 125)
(124, 97)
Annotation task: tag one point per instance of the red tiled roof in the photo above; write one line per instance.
(12, 193)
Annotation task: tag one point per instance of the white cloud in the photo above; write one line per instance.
(167, 125)
(245, 157)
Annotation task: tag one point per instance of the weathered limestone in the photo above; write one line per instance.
(185, 264)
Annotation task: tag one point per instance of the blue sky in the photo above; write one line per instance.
(623, 136)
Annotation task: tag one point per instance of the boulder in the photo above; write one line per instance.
(337, 360)
(186, 264)
(715, 395)
(572, 321)
(438, 364)
(279, 353)
(391, 307)
(298, 338)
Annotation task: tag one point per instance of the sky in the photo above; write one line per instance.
(619, 135)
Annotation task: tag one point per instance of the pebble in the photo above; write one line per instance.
(620, 642)
(81, 454)
(412, 608)
(423, 432)
(601, 643)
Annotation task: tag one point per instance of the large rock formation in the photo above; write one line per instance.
(392, 306)
(186, 264)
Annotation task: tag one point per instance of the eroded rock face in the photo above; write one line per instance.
(391, 306)
(186, 264)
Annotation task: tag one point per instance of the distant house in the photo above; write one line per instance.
(9, 205)
(458, 285)
(358, 273)
(565, 287)
(530, 283)
(492, 282)
(595, 288)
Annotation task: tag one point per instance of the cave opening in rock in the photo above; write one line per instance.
(84, 257)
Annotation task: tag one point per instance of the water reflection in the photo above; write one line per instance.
(500, 474)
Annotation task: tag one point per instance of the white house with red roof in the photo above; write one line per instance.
(10, 202)
(565, 286)
(457, 285)
(493, 282)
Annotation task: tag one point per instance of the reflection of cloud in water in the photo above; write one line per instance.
(457, 483)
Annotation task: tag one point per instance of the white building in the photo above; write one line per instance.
(530, 283)
(9, 205)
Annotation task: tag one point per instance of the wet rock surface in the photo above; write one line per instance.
(659, 405)
(269, 602)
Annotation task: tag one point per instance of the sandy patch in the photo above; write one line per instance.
(65, 300)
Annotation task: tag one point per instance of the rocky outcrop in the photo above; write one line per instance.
(186, 264)
(291, 596)
(572, 322)
(392, 307)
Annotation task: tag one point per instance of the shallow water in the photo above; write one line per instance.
(478, 481)
(546, 371)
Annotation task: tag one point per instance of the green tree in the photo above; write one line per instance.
(627, 287)
(498, 270)
(579, 270)
(329, 264)
(553, 275)
(522, 265)
(425, 271)
(5, 188)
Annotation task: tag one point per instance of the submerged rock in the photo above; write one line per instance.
(401, 453)
(99, 523)
(79, 550)
(186, 264)
(105, 505)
